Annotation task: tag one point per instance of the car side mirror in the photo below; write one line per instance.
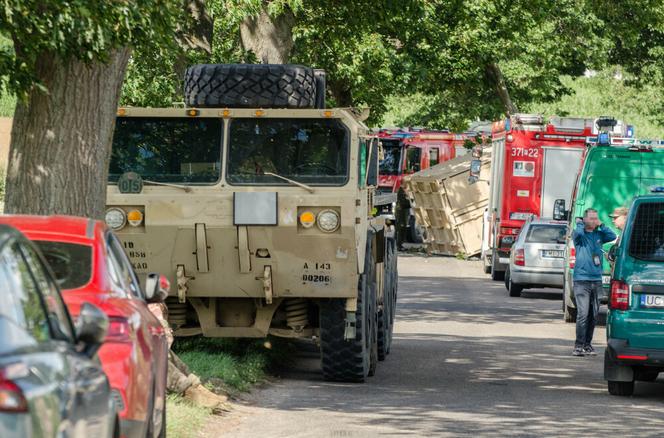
(613, 253)
(91, 328)
(156, 288)
(559, 212)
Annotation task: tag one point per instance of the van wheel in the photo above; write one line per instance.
(386, 312)
(621, 388)
(350, 360)
(569, 313)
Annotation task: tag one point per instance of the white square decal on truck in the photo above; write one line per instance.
(524, 168)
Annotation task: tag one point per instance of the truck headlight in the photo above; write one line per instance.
(328, 221)
(115, 218)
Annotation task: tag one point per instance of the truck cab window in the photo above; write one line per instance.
(433, 156)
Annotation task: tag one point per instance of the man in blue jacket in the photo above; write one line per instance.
(589, 236)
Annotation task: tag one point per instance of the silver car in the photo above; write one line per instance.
(537, 257)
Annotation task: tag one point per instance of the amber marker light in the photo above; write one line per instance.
(327, 113)
(135, 218)
(192, 112)
(122, 112)
(259, 113)
(225, 113)
(307, 219)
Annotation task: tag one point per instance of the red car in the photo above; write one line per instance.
(90, 265)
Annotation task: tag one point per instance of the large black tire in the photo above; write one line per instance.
(350, 360)
(495, 274)
(621, 388)
(514, 289)
(386, 310)
(250, 86)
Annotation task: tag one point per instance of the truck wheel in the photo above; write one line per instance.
(350, 360)
(386, 313)
(621, 388)
(250, 86)
(495, 274)
(515, 289)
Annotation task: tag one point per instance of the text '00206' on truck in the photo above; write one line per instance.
(259, 206)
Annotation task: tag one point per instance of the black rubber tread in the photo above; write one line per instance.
(621, 388)
(249, 86)
(343, 360)
(386, 312)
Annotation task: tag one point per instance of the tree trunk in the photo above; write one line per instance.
(196, 34)
(270, 38)
(496, 76)
(61, 139)
(343, 97)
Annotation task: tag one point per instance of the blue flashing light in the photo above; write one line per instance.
(630, 131)
(657, 189)
(603, 139)
(508, 124)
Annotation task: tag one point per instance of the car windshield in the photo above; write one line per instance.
(389, 165)
(647, 239)
(310, 151)
(546, 233)
(167, 149)
(71, 263)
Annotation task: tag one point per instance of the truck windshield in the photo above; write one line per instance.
(389, 165)
(647, 240)
(311, 151)
(167, 149)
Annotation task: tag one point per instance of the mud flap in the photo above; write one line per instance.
(614, 372)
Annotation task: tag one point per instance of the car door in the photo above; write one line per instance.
(152, 332)
(91, 412)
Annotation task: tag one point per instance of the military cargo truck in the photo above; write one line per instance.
(257, 201)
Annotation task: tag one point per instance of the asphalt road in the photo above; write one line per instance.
(466, 360)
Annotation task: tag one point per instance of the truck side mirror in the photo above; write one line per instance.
(475, 168)
(372, 164)
(559, 212)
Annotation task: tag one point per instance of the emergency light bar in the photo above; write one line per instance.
(604, 139)
(657, 189)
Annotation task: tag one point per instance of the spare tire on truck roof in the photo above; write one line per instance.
(251, 86)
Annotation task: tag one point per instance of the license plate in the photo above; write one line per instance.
(552, 253)
(652, 300)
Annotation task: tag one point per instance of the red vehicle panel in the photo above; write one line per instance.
(91, 266)
(533, 164)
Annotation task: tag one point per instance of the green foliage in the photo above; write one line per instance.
(7, 105)
(83, 29)
(605, 95)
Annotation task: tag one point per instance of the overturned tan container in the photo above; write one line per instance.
(449, 208)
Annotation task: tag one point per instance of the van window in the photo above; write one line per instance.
(647, 238)
(546, 233)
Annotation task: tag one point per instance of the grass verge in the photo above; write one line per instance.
(232, 365)
(183, 420)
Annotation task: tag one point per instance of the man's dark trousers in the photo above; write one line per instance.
(586, 294)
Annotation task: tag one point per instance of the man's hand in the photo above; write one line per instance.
(579, 220)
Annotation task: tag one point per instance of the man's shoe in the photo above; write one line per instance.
(589, 350)
(578, 351)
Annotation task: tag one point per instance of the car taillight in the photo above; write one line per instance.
(520, 257)
(118, 330)
(572, 258)
(619, 295)
(11, 396)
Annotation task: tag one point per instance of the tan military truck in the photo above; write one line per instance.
(257, 202)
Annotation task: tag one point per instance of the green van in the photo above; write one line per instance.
(611, 176)
(635, 323)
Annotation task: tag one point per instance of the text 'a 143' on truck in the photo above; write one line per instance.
(534, 163)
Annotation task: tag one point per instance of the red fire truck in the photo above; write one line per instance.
(533, 163)
(404, 153)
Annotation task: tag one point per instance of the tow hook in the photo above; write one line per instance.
(182, 279)
(350, 331)
(267, 283)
